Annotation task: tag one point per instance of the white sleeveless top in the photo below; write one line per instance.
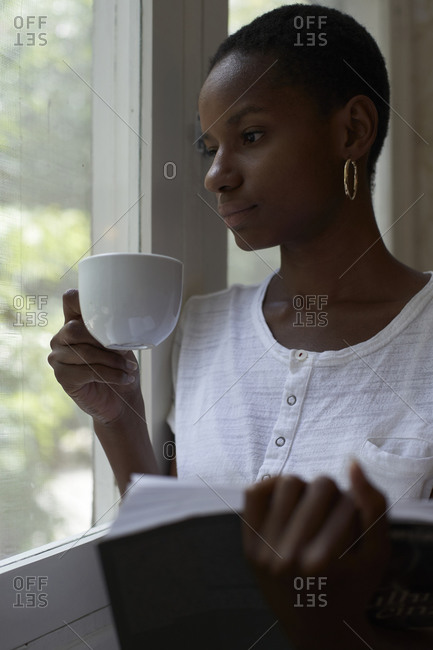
(245, 407)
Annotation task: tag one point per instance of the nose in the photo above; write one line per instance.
(223, 174)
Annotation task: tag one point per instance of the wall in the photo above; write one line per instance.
(422, 88)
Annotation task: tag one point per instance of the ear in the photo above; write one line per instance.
(359, 121)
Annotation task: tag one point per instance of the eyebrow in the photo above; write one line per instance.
(236, 118)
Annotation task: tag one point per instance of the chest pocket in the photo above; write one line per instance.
(402, 468)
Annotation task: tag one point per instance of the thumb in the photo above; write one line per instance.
(371, 503)
(71, 305)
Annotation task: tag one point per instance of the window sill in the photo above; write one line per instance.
(49, 588)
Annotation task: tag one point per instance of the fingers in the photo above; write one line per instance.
(75, 377)
(287, 495)
(310, 530)
(320, 526)
(80, 364)
(74, 342)
(370, 501)
(303, 527)
(313, 508)
(257, 500)
(78, 358)
(337, 533)
(83, 353)
(74, 330)
(258, 540)
(259, 549)
(91, 364)
(296, 526)
(372, 507)
(71, 305)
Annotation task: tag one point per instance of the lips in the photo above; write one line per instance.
(231, 208)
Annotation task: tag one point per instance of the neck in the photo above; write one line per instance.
(347, 261)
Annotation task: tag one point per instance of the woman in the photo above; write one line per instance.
(326, 359)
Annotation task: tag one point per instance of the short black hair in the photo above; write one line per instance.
(332, 59)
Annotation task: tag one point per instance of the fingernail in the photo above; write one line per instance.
(356, 471)
(131, 365)
(128, 379)
(352, 460)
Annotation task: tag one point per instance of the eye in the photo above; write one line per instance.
(210, 153)
(250, 137)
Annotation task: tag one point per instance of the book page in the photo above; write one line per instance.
(153, 501)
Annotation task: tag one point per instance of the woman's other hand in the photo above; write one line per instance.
(318, 554)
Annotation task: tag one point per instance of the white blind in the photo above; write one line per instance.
(45, 182)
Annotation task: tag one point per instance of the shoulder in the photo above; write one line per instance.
(219, 315)
(234, 298)
(420, 307)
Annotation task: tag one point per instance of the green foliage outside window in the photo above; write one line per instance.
(45, 190)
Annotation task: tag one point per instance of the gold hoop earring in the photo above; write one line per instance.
(346, 177)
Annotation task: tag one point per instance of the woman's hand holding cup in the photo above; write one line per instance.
(102, 382)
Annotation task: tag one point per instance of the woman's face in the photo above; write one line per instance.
(275, 170)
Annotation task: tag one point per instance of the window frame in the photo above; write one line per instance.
(168, 219)
(115, 167)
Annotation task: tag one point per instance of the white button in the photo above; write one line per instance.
(265, 476)
(280, 441)
(291, 400)
(301, 355)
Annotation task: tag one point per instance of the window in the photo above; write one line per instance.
(45, 121)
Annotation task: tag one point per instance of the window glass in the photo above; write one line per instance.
(46, 483)
(249, 267)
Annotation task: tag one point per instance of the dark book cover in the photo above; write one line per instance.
(187, 585)
(405, 598)
(177, 576)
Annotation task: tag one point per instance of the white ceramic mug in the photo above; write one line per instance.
(130, 301)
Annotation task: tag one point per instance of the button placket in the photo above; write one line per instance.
(292, 398)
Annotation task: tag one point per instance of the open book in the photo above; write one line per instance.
(177, 577)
